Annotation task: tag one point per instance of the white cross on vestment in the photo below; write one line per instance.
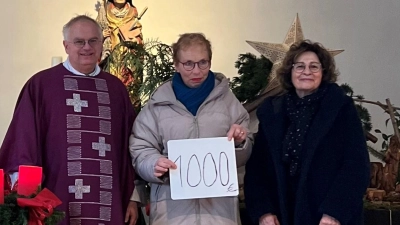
(101, 146)
(77, 103)
(79, 189)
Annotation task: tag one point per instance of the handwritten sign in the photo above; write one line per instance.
(206, 168)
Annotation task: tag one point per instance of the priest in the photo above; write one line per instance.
(74, 120)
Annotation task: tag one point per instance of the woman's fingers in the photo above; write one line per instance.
(237, 132)
(162, 166)
(166, 163)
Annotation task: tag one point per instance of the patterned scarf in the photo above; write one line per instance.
(300, 112)
(192, 98)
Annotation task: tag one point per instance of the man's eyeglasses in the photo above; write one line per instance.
(80, 43)
(202, 64)
(300, 67)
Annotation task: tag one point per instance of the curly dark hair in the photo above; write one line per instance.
(329, 72)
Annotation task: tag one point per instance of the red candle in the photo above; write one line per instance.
(29, 179)
(1, 186)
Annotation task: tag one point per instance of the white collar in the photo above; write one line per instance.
(68, 66)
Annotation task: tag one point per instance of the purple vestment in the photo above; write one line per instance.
(77, 128)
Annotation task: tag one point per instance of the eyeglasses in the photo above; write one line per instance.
(80, 43)
(202, 64)
(300, 67)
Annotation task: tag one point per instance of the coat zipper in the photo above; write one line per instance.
(197, 135)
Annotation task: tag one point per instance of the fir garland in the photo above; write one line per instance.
(12, 214)
(253, 76)
(362, 111)
(151, 65)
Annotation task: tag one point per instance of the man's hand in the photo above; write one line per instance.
(328, 220)
(131, 213)
(162, 166)
(269, 219)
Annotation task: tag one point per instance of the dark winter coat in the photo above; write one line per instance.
(334, 170)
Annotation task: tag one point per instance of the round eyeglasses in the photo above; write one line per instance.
(300, 67)
(202, 64)
(79, 43)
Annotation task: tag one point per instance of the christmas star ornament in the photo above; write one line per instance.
(276, 52)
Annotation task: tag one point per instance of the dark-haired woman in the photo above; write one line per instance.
(310, 164)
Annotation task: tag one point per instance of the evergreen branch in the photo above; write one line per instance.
(150, 64)
(12, 214)
(347, 89)
(253, 77)
(158, 67)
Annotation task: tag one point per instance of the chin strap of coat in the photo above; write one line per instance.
(40, 207)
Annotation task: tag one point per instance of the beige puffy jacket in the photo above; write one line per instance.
(164, 118)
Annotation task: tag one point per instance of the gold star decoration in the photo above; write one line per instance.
(276, 52)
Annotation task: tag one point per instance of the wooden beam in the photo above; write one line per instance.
(383, 106)
(393, 119)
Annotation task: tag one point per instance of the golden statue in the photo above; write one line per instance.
(119, 20)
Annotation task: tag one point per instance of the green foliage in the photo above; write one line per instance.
(152, 61)
(362, 111)
(347, 89)
(253, 76)
(130, 57)
(55, 218)
(386, 137)
(365, 117)
(158, 67)
(12, 214)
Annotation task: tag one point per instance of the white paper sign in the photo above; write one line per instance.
(206, 167)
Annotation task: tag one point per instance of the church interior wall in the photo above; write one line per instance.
(367, 30)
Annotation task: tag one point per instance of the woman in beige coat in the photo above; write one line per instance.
(196, 103)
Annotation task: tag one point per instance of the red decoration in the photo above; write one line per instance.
(40, 207)
(1, 186)
(30, 179)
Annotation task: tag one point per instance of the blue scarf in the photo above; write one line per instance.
(192, 98)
